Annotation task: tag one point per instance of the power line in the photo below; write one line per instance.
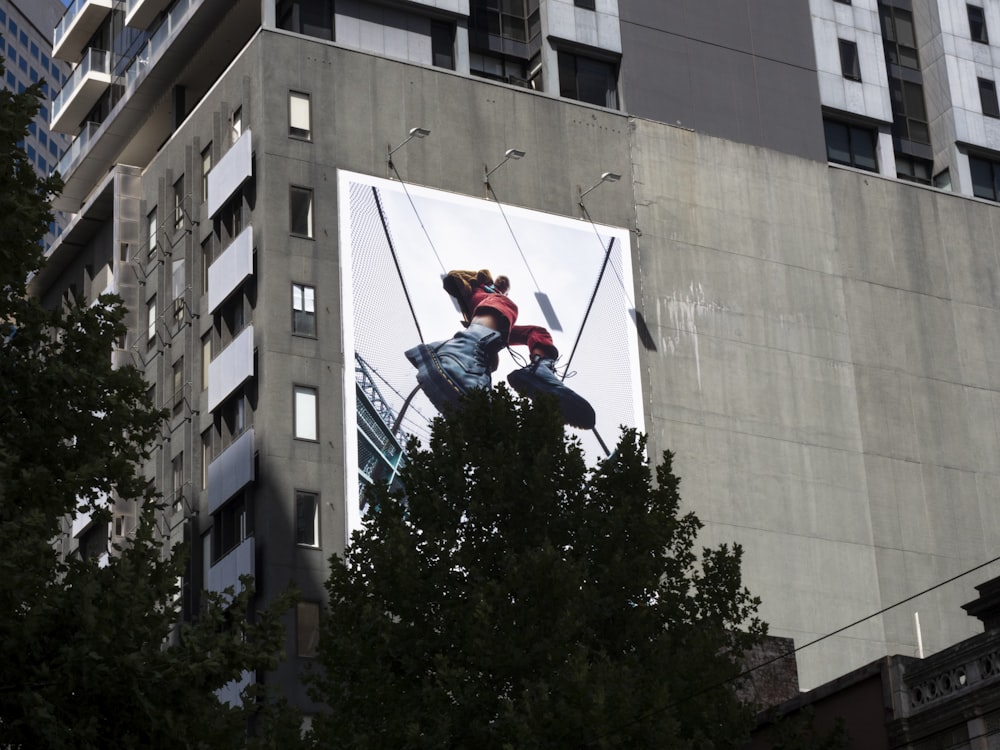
(792, 652)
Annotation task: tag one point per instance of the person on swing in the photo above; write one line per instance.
(446, 370)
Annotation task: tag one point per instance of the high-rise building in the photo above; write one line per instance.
(793, 284)
(26, 46)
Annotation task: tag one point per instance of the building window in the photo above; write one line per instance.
(898, 36)
(307, 518)
(852, 145)
(178, 381)
(850, 67)
(304, 17)
(303, 310)
(585, 4)
(151, 323)
(988, 98)
(913, 169)
(179, 203)
(306, 427)
(443, 44)
(229, 527)
(307, 628)
(151, 231)
(985, 178)
(909, 112)
(206, 167)
(206, 261)
(977, 24)
(301, 211)
(588, 80)
(299, 125)
(206, 358)
(206, 456)
(236, 124)
(179, 287)
(177, 480)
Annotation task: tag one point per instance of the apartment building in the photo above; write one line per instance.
(26, 46)
(266, 181)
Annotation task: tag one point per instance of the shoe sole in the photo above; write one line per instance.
(575, 409)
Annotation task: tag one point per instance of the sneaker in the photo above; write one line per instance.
(447, 370)
(540, 377)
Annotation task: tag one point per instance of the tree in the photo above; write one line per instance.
(84, 660)
(512, 598)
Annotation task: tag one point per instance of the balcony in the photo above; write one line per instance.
(231, 471)
(84, 517)
(230, 269)
(129, 134)
(141, 13)
(90, 79)
(233, 169)
(226, 571)
(231, 368)
(77, 25)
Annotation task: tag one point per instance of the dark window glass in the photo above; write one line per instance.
(588, 80)
(849, 64)
(977, 24)
(306, 518)
(913, 169)
(852, 145)
(586, 4)
(311, 17)
(301, 211)
(443, 44)
(988, 98)
(984, 178)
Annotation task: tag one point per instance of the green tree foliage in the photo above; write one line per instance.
(517, 599)
(84, 660)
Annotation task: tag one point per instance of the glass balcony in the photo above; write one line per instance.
(78, 24)
(77, 148)
(90, 79)
(141, 13)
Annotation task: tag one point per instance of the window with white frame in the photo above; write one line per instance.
(151, 323)
(306, 518)
(303, 310)
(299, 124)
(307, 628)
(151, 231)
(306, 423)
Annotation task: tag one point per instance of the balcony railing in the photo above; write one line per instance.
(77, 148)
(77, 25)
(160, 40)
(140, 13)
(90, 78)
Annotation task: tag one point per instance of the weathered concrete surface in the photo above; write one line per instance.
(826, 342)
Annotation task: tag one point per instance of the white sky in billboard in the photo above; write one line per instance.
(558, 256)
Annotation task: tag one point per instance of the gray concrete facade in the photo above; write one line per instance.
(726, 69)
(823, 337)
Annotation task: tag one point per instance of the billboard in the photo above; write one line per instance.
(398, 241)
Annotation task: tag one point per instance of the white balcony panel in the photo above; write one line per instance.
(81, 19)
(227, 571)
(233, 170)
(230, 692)
(231, 471)
(141, 13)
(90, 79)
(84, 516)
(230, 269)
(231, 368)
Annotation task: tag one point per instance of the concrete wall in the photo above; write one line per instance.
(726, 69)
(825, 343)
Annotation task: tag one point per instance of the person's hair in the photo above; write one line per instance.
(501, 284)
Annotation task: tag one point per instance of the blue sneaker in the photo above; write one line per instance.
(540, 377)
(447, 370)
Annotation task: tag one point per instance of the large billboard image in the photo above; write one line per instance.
(568, 278)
